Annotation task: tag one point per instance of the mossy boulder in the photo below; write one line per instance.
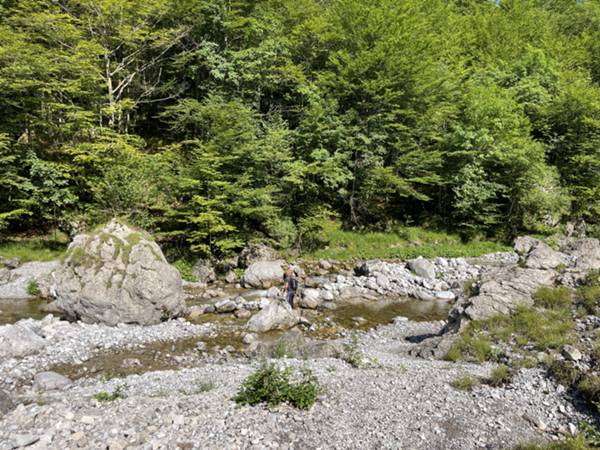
(117, 275)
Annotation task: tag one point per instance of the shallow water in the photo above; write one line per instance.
(13, 310)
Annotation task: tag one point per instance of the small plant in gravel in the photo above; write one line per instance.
(199, 388)
(281, 350)
(500, 376)
(352, 353)
(112, 396)
(465, 383)
(576, 443)
(272, 385)
(33, 288)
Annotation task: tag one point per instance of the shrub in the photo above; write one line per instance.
(185, 269)
(589, 387)
(553, 298)
(500, 376)
(272, 385)
(33, 288)
(114, 395)
(588, 296)
(564, 372)
(465, 383)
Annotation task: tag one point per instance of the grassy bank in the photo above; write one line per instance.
(45, 248)
(402, 243)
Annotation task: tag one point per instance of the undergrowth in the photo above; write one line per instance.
(400, 243)
(119, 392)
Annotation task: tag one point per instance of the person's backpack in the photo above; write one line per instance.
(293, 284)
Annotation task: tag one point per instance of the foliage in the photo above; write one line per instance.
(185, 270)
(352, 353)
(281, 350)
(272, 385)
(33, 288)
(38, 249)
(215, 123)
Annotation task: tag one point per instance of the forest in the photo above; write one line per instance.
(212, 123)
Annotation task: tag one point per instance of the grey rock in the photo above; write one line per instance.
(586, 253)
(116, 276)
(242, 313)
(231, 277)
(275, 316)
(225, 306)
(204, 271)
(273, 292)
(254, 252)
(6, 403)
(445, 295)
(572, 353)
(263, 274)
(422, 267)
(325, 265)
(25, 440)
(15, 283)
(50, 381)
(18, 341)
(542, 256)
(310, 299)
(523, 244)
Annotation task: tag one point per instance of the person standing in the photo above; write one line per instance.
(290, 287)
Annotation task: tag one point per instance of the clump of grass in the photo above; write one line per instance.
(500, 376)
(272, 385)
(112, 396)
(281, 350)
(553, 298)
(401, 242)
(527, 328)
(564, 372)
(470, 287)
(185, 269)
(199, 388)
(33, 288)
(576, 443)
(465, 383)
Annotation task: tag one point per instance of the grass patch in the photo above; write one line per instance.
(401, 243)
(553, 298)
(576, 443)
(525, 329)
(33, 288)
(272, 385)
(38, 249)
(199, 388)
(465, 383)
(112, 396)
(185, 270)
(500, 376)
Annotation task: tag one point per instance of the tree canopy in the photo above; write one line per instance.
(213, 122)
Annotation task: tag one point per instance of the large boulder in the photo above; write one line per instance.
(422, 267)
(263, 274)
(16, 283)
(117, 275)
(523, 244)
(586, 253)
(542, 256)
(502, 291)
(255, 252)
(18, 341)
(275, 316)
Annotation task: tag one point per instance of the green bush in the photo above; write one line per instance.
(553, 298)
(272, 385)
(589, 296)
(185, 269)
(33, 288)
(352, 354)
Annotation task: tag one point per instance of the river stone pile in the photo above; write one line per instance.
(117, 275)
